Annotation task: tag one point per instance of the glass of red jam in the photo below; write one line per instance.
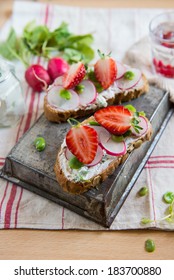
(161, 30)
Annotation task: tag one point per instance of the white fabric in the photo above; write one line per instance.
(114, 30)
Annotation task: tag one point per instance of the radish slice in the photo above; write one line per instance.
(98, 157)
(121, 69)
(89, 93)
(103, 134)
(144, 124)
(68, 154)
(55, 100)
(58, 81)
(125, 84)
(113, 148)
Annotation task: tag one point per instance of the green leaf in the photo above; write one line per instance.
(66, 94)
(72, 55)
(10, 43)
(130, 108)
(86, 39)
(127, 133)
(94, 123)
(142, 113)
(74, 163)
(86, 51)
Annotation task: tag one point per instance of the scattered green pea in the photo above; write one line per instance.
(79, 88)
(129, 75)
(149, 245)
(168, 197)
(143, 191)
(74, 163)
(40, 144)
(66, 94)
(117, 138)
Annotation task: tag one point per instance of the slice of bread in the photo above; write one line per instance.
(104, 99)
(70, 182)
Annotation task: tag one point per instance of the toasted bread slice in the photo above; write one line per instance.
(105, 98)
(70, 182)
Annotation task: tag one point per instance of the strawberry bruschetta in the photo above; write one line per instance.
(80, 91)
(93, 149)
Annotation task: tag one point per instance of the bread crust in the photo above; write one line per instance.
(54, 115)
(81, 187)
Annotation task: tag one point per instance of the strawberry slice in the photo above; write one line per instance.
(116, 119)
(105, 70)
(74, 75)
(82, 141)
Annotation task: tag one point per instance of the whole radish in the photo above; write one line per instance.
(37, 77)
(57, 66)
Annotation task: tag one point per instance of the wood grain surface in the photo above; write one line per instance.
(72, 244)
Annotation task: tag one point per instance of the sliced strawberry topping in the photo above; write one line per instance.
(82, 141)
(116, 119)
(74, 76)
(105, 71)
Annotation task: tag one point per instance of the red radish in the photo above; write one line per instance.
(103, 134)
(105, 70)
(55, 99)
(88, 94)
(125, 84)
(113, 148)
(74, 76)
(121, 70)
(144, 124)
(37, 77)
(97, 158)
(116, 119)
(82, 141)
(57, 66)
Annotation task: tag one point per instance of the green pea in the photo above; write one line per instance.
(74, 163)
(168, 197)
(129, 75)
(149, 245)
(117, 138)
(40, 144)
(143, 191)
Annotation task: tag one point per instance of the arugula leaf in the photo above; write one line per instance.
(10, 43)
(39, 40)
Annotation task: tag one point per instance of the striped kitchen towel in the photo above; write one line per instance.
(114, 30)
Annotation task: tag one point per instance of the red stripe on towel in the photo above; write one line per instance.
(29, 121)
(159, 166)
(2, 201)
(152, 192)
(161, 157)
(17, 207)
(160, 161)
(9, 207)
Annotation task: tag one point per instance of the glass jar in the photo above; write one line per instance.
(12, 105)
(162, 42)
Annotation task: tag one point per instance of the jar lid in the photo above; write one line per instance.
(4, 70)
